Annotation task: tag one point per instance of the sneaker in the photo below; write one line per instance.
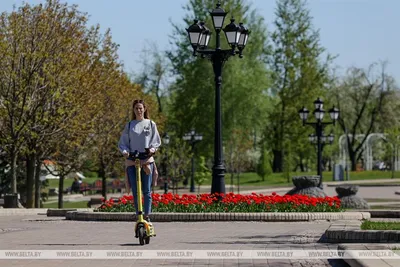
(147, 219)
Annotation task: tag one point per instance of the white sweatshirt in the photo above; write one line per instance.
(142, 134)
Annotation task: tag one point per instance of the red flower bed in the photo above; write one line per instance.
(228, 203)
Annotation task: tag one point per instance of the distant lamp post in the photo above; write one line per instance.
(192, 137)
(331, 137)
(165, 140)
(319, 126)
(199, 36)
(325, 140)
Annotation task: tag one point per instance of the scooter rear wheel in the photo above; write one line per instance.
(147, 240)
(141, 236)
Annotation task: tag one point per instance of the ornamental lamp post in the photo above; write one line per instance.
(325, 140)
(319, 126)
(165, 140)
(193, 138)
(312, 138)
(331, 137)
(237, 37)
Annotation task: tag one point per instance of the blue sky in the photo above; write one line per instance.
(358, 31)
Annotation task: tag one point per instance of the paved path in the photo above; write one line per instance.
(42, 233)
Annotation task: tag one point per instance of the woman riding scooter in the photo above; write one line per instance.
(140, 135)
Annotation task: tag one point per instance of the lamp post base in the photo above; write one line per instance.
(165, 187)
(218, 179)
(192, 188)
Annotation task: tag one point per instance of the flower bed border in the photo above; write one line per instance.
(214, 216)
(352, 233)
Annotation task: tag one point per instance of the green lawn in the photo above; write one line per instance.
(53, 183)
(367, 175)
(67, 205)
(368, 225)
(380, 184)
(275, 179)
(278, 179)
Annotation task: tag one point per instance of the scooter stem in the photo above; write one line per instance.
(139, 190)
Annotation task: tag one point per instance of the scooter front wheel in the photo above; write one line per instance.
(141, 236)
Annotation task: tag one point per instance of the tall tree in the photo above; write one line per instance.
(42, 53)
(236, 157)
(264, 165)
(244, 80)
(393, 144)
(68, 157)
(363, 97)
(56, 78)
(153, 77)
(299, 75)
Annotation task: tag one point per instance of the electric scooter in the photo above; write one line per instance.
(143, 229)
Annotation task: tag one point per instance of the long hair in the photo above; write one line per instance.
(146, 112)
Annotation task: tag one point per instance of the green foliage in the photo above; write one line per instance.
(202, 173)
(392, 139)
(244, 102)
(264, 164)
(299, 76)
(252, 179)
(5, 176)
(69, 93)
(67, 205)
(392, 135)
(369, 225)
(178, 157)
(367, 101)
(154, 75)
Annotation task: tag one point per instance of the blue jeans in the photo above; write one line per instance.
(146, 187)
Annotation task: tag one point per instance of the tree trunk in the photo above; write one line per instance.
(238, 182)
(14, 156)
(353, 160)
(232, 174)
(174, 187)
(277, 162)
(37, 183)
(159, 102)
(393, 162)
(30, 176)
(301, 165)
(330, 164)
(60, 192)
(102, 174)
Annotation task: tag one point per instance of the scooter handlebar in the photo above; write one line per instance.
(139, 155)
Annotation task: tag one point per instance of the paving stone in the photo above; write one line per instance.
(60, 234)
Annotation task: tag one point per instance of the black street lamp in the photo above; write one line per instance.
(325, 140)
(237, 36)
(193, 138)
(319, 125)
(165, 140)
